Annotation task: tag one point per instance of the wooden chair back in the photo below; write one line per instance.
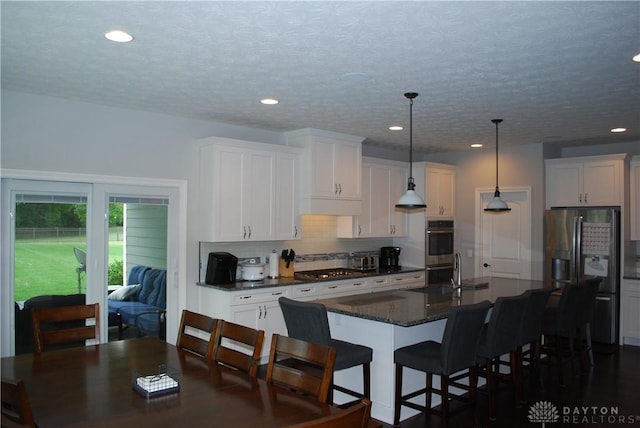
(238, 346)
(16, 410)
(303, 366)
(65, 325)
(194, 327)
(355, 416)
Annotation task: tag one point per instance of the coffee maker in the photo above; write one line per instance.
(221, 268)
(390, 258)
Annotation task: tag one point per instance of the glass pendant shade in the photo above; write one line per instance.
(411, 200)
(497, 204)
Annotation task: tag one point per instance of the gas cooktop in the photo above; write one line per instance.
(327, 274)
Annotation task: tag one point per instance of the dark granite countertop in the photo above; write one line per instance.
(420, 305)
(282, 281)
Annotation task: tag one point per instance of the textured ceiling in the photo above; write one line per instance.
(555, 71)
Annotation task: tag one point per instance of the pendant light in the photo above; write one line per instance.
(497, 204)
(411, 200)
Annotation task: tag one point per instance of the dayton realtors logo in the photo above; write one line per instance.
(545, 412)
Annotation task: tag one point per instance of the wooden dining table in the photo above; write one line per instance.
(93, 386)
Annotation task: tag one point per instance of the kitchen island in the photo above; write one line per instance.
(386, 321)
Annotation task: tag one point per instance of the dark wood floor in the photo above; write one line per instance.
(613, 383)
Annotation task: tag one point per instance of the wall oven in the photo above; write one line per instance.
(439, 251)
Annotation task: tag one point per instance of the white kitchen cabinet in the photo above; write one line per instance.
(630, 314)
(440, 193)
(585, 181)
(382, 186)
(257, 309)
(635, 198)
(248, 191)
(331, 179)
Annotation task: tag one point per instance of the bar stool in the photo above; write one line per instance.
(308, 321)
(454, 354)
(559, 325)
(585, 318)
(529, 334)
(498, 337)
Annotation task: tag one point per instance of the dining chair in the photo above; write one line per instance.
(499, 337)
(300, 365)
(454, 354)
(65, 325)
(238, 346)
(16, 409)
(355, 416)
(197, 333)
(308, 321)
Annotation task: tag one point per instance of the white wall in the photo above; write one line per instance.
(51, 134)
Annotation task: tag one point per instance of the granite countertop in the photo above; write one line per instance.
(282, 281)
(420, 305)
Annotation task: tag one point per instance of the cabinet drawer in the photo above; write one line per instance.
(343, 287)
(306, 291)
(257, 297)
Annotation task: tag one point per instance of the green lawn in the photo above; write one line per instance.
(46, 267)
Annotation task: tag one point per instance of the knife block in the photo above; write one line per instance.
(284, 271)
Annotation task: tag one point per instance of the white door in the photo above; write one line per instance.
(504, 239)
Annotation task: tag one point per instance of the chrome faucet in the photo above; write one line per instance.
(457, 268)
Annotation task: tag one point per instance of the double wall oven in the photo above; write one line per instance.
(439, 252)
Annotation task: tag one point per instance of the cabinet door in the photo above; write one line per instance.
(564, 184)
(447, 198)
(397, 186)
(286, 202)
(258, 194)
(635, 201)
(347, 170)
(323, 182)
(228, 194)
(432, 192)
(630, 315)
(379, 215)
(272, 323)
(363, 224)
(601, 183)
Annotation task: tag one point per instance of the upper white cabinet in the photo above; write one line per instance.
(331, 173)
(440, 194)
(585, 181)
(382, 185)
(635, 198)
(248, 191)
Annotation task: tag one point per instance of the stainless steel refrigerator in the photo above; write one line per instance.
(582, 243)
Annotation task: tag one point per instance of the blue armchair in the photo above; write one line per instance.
(146, 308)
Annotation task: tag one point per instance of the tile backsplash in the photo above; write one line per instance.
(318, 248)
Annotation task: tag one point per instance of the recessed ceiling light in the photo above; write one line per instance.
(618, 129)
(396, 128)
(637, 58)
(269, 101)
(355, 77)
(476, 145)
(118, 36)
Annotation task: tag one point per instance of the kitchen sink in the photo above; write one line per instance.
(328, 274)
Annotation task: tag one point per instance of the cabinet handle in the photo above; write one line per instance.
(379, 281)
(585, 197)
(357, 284)
(245, 297)
(332, 287)
(244, 234)
(295, 231)
(304, 290)
(265, 311)
(277, 293)
(249, 227)
(260, 314)
(580, 198)
(340, 187)
(359, 230)
(335, 192)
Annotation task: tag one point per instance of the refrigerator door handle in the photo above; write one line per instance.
(577, 247)
(606, 299)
